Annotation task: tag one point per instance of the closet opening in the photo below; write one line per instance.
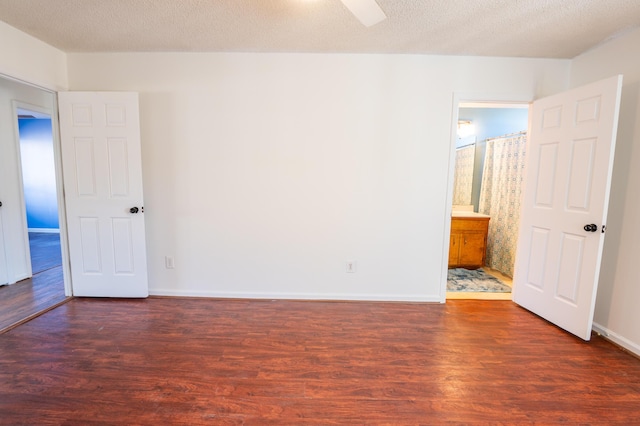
(39, 188)
(488, 175)
(36, 217)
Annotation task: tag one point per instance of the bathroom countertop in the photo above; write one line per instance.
(468, 215)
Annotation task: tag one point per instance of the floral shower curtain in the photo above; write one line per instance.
(463, 175)
(500, 197)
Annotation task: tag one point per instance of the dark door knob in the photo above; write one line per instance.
(591, 227)
(0, 203)
(133, 210)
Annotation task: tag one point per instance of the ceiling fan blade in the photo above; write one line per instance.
(367, 11)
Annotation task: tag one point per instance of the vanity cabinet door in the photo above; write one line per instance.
(468, 242)
(454, 249)
(472, 249)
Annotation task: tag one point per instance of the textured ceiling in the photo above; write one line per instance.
(523, 28)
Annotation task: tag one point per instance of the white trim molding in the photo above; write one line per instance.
(45, 230)
(298, 296)
(617, 339)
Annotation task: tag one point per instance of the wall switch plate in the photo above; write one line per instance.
(168, 262)
(351, 266)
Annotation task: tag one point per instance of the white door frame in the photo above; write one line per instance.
(458, 98)
(62, 213)
(57, 158)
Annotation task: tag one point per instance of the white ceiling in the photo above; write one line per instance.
(523, 28)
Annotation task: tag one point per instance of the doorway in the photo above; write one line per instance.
(39, 185)
(490, 146)
(32, 216)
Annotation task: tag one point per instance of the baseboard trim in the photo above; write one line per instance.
(44, 230)
(298, 296)
(617, 339)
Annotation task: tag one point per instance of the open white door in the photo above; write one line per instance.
(572, 141)
(4, 276)
(100, 139)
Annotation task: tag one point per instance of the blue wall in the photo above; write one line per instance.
(494, 122)
(38, 173)
(489, 123)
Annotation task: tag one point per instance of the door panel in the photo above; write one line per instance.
(572, 141)
(4, 275)
(454, 249)
(100, 139)
(472, 249)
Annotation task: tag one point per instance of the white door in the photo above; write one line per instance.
(572, 141)
(100, 139)
(4, 275)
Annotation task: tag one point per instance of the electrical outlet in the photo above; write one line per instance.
(351, 266)
(168, 262)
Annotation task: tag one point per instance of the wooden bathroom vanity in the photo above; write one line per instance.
(468, 244)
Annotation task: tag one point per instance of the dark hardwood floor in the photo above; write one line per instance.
(231, 362)
(28, 298)
(45, 251)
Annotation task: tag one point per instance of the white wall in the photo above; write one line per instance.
(26, 58)
(618, 302)
(264, 173)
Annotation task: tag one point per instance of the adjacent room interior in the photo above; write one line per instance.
(33, 239)
(487, 187)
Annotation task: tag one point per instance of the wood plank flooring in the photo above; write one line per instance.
(232, 362)
(27, 298)
(45, 251)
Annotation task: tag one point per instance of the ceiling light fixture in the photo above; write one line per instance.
(367, 11)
